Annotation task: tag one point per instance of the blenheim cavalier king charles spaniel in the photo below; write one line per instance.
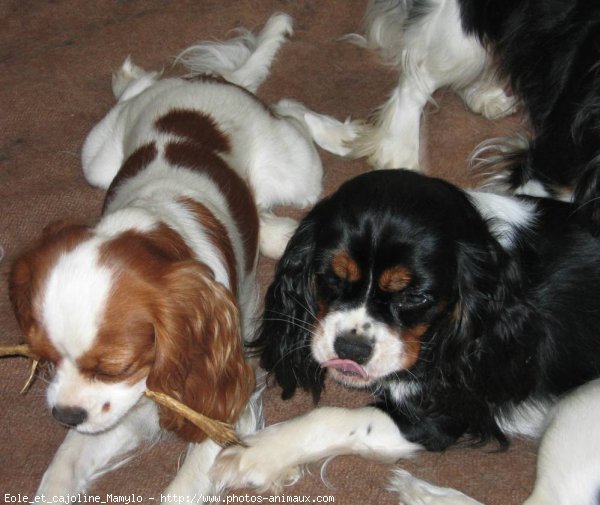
(161, 293)
(547, 51)
(467, 314)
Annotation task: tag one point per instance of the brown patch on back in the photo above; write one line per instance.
(192, 126)
(240, 201)
(394, 279)
(27, 278)
(411, 337)
(217, 234)
(345, 267)
(136, 162)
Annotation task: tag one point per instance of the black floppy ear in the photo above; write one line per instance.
(289, 315)
(488, 287)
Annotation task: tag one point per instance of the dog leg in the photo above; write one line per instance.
(432, 51)
(326, 131)
(275, 455)
(102, 152)
(244, 60)
(192, 477)
(392, 141)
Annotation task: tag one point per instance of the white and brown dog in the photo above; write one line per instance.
(161, 293)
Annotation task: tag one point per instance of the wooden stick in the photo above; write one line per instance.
(17, 350)
(221, 433)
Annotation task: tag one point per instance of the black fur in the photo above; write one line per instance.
(550, 51)
(505, 323)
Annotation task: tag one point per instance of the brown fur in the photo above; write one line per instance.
(200, 149)
(28, 275)
(394, 279)
(345, 267)
(135, 163)
(218, 235)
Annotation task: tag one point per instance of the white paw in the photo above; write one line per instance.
(492, 103)
(384, 149)
(260, 464)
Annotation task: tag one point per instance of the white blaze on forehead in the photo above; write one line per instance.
(74, 299)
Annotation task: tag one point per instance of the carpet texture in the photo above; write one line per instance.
(56, 60)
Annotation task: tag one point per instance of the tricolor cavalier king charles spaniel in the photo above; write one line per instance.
(467, 314)
(548, 51)
(161, 292)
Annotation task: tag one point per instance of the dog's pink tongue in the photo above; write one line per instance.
(345, 365)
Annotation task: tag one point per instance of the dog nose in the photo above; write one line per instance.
(70, 416)
(349, 346)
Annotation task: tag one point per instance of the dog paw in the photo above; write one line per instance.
(492, 103)
(259, 463)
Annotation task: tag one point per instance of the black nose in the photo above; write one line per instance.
(349, 346)
(71, 416)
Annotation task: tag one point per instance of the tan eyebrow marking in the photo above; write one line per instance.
(394, 279)
(345, 267)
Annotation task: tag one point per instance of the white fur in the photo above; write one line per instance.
(274, 456)
(431, 51)
(568, 470)
(568, 460)
(568, 467)
(271, 151)
(413, 491)
(505, 215)
(74, 300)
(388, 348)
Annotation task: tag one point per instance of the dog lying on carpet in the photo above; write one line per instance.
(466, 313)
(161, 292)
(548, 51)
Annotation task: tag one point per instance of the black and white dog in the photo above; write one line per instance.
(548, 51)
(466, 313)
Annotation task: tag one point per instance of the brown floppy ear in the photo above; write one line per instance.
(31, 268)
(20, 292)
(199, 350)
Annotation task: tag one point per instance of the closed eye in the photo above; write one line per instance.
(109, 375)
(411, 300)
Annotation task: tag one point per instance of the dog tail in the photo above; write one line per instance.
(508, 165)
(244, 60)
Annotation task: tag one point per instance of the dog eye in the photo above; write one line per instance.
(106, 375)
(329, 285)
(99, 374)
(413, 300)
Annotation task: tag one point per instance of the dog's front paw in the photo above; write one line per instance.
(260, 463)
